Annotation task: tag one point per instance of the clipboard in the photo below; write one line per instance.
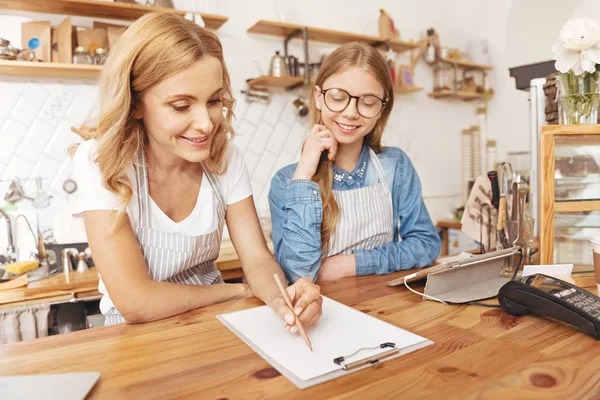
(344, 341)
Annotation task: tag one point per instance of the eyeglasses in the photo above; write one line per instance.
(368, 106)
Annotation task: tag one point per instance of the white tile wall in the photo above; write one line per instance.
(261, 137)
(11, 135)
(35, 133)
(29, 104)
(35, 141)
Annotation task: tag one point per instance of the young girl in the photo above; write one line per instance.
(159, 177)
(341, 210)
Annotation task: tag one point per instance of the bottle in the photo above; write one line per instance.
(430, 54)
(385, 25)
(82, 56)
(99, 56)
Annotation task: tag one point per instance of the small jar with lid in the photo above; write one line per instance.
(6, 51)
(99, 56)
(82, 56)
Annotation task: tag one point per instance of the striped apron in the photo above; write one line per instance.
(172, 257)
(366, 216)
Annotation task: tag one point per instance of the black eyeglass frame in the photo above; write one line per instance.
(350, 97)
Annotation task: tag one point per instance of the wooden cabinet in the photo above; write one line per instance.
(569, 194)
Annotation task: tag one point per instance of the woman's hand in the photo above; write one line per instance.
(318, 140)
(307, 301)
(337, 267)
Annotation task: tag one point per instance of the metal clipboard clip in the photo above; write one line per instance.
(373, 360)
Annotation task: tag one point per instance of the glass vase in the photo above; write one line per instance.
(578, 98)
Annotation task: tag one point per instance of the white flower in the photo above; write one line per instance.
(578, 46)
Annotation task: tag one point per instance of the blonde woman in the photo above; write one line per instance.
(350, 206)
(159, 177)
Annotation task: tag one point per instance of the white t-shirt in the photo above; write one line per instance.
(92, 195)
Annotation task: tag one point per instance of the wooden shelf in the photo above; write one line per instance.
(101, 9)
(24, 68)
(278, 81)
(449, 94)
(576, 206)
(407, 89)
(466, 65)
(282, 29)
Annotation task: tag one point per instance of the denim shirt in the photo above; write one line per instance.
(297, 211)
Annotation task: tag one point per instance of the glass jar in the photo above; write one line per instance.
(443, 78)
(579, 98)
(6, 51)
(99, 56)
(82, 56)
(26, 55)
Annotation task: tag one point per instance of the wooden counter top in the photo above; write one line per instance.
(479, 353)
(59, 287)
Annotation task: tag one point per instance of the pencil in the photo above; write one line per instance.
(288, 302)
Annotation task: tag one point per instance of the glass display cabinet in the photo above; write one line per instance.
(569, 190)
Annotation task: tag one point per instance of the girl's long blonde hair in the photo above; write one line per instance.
(155, 47)
(343, 58)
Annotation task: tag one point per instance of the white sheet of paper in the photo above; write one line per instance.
(341, 331)
(552, 270)
(70, 386)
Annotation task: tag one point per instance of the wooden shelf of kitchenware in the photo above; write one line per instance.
(282, 29)
(407, 89)
(466, 65)
(25, 68)
(465, 96)
(101, 9)
(278, 81)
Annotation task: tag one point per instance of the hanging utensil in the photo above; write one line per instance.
(69, 186)
(42, 197)
(15, 192)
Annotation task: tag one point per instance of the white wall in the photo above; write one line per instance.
(428, 130)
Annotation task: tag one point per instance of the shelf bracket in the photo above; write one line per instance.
(382, 43)
(304, 32)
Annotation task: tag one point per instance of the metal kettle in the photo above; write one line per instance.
(278, 66)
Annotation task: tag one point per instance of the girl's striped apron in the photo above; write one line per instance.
(366, 216)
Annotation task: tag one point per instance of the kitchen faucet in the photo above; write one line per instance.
(10, 250)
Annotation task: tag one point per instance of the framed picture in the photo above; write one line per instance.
(406, 75)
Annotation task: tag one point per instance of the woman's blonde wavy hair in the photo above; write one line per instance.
(155, 47)
(348, 56)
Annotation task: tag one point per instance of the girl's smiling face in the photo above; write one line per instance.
(348, 125)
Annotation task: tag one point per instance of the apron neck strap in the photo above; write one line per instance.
(375, 162)
(212, 179)
(142, 186)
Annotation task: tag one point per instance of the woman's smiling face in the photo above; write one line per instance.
(182, 113)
